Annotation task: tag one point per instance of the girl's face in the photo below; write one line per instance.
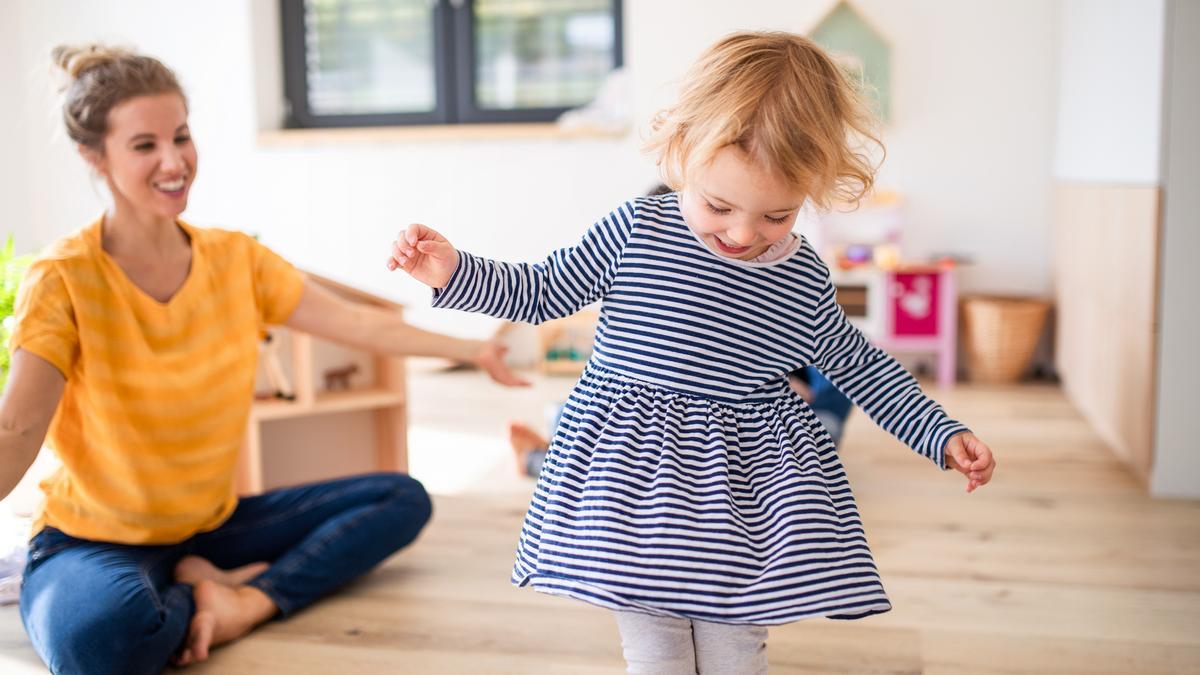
(738, 207)
(149, 160)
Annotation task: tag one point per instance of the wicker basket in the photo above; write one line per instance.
(1000, 335)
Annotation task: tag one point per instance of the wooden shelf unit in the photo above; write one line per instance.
(575, 332)
(386, 398)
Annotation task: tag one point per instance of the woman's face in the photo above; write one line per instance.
(149, 159)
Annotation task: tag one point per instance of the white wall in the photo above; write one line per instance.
(1110, 92)
(1177, 429)
(13, 192)
(970, 144)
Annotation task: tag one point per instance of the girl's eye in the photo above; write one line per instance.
(780, 219)
(719, 212)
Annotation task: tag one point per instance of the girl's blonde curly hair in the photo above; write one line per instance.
(781, 99)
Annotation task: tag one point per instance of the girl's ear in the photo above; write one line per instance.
(93, 157)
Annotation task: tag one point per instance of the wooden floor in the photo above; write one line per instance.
(1062, 565)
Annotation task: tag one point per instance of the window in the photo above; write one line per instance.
(387, 62)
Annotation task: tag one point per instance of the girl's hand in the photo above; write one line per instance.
(490, 358)
(425, 255)
(969, 456)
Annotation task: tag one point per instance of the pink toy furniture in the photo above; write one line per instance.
(912, 308)
(921, 315)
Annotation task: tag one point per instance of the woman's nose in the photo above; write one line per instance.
(172, 160)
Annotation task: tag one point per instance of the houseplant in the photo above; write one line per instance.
(12, 270)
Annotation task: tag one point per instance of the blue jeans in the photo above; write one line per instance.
(829, 404)
(96, 607)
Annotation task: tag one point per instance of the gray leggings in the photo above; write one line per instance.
(663, 645)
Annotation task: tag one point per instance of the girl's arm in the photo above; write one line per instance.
(890, 395)
(327, 315)
(30, 399)
(567, 281)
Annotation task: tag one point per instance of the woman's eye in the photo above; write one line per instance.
(143, 147)
(182, 139)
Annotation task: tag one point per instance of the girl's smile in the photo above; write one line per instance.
(737, 207)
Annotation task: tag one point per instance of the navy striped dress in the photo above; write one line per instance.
(685, 478)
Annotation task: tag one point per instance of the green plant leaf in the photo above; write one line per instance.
(12, 270)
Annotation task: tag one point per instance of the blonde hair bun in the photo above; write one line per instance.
(97, 78)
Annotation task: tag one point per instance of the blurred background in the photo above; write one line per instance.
(1046, 145)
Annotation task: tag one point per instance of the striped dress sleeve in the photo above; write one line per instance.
(565, 282)
(877, 383)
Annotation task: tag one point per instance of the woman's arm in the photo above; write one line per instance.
(30, 399)
(325, 314)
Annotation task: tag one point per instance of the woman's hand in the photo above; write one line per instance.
(490, 358)
(425, 255)
(969, 456)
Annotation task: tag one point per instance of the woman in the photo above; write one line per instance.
(135, 349)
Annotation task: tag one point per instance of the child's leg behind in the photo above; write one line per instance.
(656, 645)
(730, 648)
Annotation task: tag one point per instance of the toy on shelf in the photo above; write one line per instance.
(339, 378)
(277, 379)
(867, 235)
(565, 345)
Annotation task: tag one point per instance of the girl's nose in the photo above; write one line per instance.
(743, 235)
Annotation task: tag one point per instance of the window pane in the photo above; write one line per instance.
(541, 53)
(369, 56)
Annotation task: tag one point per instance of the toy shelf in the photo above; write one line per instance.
(564, 345)
(384, 400)
(330, 402)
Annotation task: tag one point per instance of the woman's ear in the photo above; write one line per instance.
(93, 157)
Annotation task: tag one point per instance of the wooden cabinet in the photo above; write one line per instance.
(378, 391)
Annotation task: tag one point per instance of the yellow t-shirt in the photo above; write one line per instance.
(158, 394)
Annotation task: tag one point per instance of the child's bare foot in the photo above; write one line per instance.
(524, 440)
(223, 615)
(193, 569)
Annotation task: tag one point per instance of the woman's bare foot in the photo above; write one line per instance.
(193, 569)
(524, 440)
(223, 614)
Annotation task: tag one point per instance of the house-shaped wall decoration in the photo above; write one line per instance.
(861, 50)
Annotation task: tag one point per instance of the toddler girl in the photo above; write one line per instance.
(687, 487)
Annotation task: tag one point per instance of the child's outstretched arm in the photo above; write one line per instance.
(565, 282)
(890, 395)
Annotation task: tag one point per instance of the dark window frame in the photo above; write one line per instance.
(454, 74)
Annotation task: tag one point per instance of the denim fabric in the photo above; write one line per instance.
(97, 607)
